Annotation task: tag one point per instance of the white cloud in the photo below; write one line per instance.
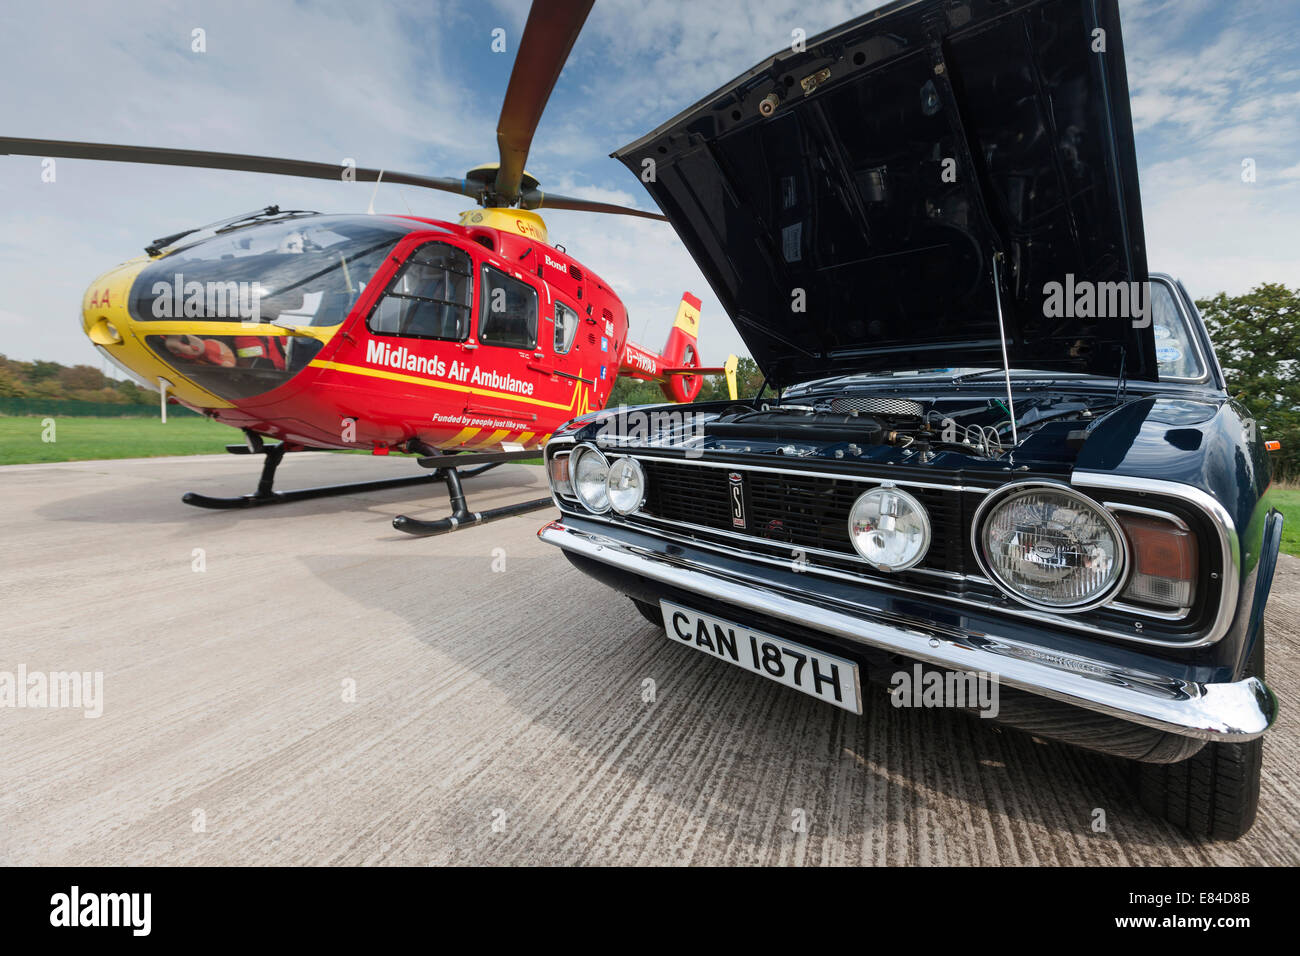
(415, 87)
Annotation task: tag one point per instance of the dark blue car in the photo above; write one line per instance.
(993, 454)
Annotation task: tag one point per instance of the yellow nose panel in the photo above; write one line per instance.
(107, 322)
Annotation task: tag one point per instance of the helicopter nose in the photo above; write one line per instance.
(107, 321)
(104, 313)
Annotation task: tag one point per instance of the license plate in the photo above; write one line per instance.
(825, 676)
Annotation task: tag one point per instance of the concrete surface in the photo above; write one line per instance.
(498, 714)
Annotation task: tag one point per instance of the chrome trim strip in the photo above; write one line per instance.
(1229, 711)
(1173, 519)
(555, 495)
(1173, 616)
(822, 552)
(792, 563)
(1170, 283)
(736, 466)
(547, 455)
(1230, 546)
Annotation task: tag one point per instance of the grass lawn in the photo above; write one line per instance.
(1287, 501)
(81, 438)
(86, 438)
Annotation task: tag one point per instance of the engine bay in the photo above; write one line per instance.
(871, 426)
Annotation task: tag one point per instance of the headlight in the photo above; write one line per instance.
(1051, 548)
(625, 485)
(889, 528)
(589, 470)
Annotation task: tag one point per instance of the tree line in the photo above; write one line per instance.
(51, 380)
(630, 391)
(1257, 339)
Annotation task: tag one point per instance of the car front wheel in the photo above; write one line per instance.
(1214, 794)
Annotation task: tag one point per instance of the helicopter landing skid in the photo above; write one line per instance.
(449, 469)
(461, 516)
(266, 493)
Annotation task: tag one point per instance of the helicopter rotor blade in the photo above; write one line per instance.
(548, 37)
(536, 199)
(204, 159)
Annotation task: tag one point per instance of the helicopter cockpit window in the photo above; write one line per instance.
(298, 273)
(566, 327)
(430, 297)
(507, 311)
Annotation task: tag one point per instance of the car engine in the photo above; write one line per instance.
(847, 424)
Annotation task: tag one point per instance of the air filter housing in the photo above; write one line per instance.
(872, 405)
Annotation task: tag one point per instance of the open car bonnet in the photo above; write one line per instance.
(850, 204)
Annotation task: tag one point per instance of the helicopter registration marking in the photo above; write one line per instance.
(642, 361)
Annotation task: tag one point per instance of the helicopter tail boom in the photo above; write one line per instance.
(677, 369)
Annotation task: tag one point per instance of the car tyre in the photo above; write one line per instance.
(1215, 794)
(650, 612)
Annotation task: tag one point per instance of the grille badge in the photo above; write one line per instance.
(736, 494)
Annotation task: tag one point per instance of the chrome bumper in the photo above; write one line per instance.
(1225, 712)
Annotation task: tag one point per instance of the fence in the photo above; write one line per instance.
(71, 406)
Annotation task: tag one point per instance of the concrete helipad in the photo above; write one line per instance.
(303, 685)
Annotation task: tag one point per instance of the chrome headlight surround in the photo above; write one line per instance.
(559, 476)
(622, 469)
(999, 497)
(581, 454)
(913, 506)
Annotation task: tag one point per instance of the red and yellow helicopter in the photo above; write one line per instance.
(466, 344)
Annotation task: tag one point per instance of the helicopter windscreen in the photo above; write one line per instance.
(299, 273)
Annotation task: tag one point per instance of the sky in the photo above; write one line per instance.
(416, 87)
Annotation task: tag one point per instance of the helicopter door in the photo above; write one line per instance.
(507, 380)
(574, 367)
(413, 341)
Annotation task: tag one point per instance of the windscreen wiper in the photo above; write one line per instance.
(958, 379)
(223, 225)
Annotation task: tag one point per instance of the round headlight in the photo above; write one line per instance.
(1051, 548)
(889, 528)
(589, 470)
(625, 485)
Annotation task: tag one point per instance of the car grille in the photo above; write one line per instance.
(799, 511)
